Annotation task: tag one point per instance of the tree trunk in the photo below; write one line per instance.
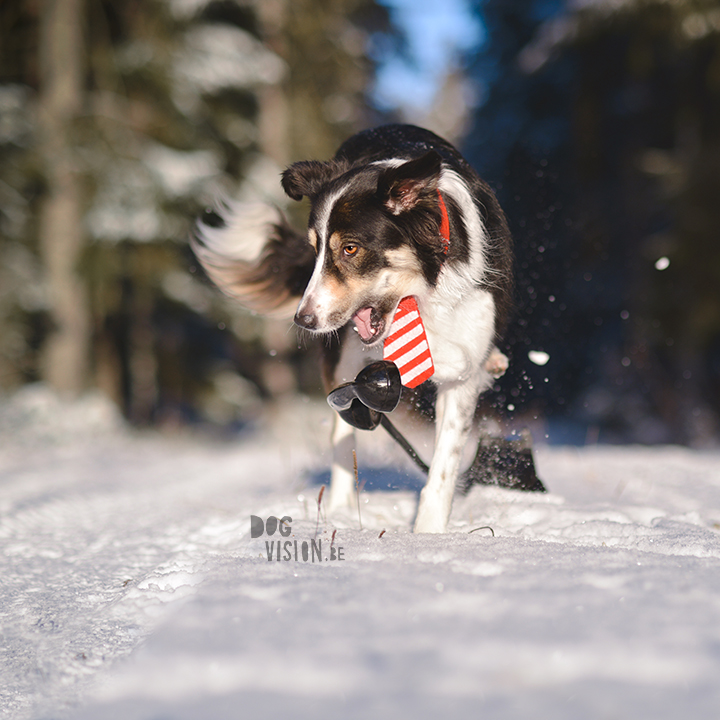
(64, 362)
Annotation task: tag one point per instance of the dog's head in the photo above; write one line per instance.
(375, 234)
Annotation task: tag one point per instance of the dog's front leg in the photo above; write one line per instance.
(455, 409)
(342, 476)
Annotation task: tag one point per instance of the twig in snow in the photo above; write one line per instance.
(357, 487)
(319, 501)
(484, 527)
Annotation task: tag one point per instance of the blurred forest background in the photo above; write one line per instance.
(597, 122)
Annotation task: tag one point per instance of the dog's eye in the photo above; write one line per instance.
(349, 250)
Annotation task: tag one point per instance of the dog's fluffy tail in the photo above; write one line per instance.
(252, 254)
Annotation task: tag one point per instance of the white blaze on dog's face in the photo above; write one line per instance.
(366, 261)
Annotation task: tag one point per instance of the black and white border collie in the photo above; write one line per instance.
(374, 237)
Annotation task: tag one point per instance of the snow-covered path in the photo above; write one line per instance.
(131, 589)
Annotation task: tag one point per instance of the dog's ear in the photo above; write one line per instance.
(308, 177)
(402, 187)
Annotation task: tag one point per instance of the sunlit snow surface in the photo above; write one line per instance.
(131, 587)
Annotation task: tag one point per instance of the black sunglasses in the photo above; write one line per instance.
(364, 402)
(375, 390)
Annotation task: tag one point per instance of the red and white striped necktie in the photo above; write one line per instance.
(407, 345)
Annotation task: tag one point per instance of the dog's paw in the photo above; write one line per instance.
(497, 363)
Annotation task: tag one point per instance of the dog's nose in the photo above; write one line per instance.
(307, 321)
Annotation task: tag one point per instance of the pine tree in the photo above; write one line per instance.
(604, 126)
(172, 105)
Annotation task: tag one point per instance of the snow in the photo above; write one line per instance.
(538, 357)
(181, 174)
(131, 587)
(216, 57)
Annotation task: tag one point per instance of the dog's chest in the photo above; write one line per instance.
(460, 334)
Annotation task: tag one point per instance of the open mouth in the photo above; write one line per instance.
(369, 323)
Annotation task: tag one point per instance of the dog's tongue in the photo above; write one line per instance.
(363, 324)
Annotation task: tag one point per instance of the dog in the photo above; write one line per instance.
(397, 213)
